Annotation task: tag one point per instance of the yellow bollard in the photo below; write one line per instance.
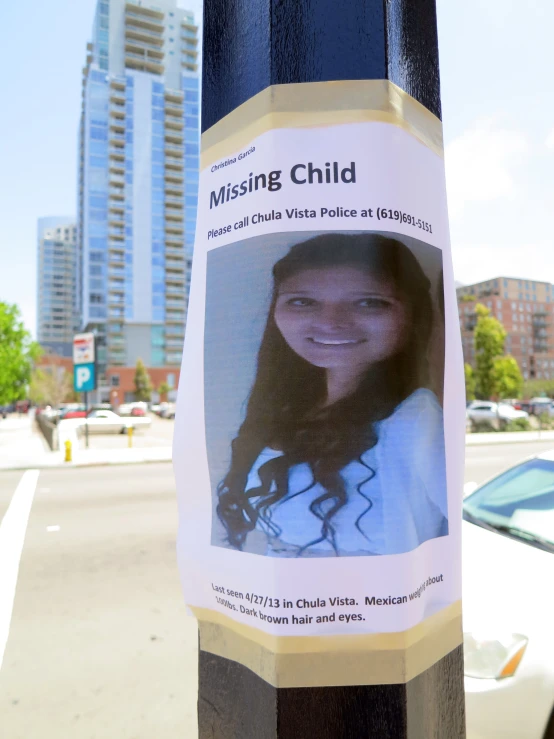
(67, 444)
(130, 436)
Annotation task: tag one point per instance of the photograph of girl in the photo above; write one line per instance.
(341, 447)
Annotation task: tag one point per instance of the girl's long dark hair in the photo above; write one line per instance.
(282, 410)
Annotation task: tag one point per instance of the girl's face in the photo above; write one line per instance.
(338, 317)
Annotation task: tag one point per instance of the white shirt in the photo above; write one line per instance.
(397, 496)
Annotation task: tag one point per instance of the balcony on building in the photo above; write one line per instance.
(173, 358)
(189, 56)
(116, 168)
(117, 84)
(117, 97)
(174, 190)
(175, 344)
(173, 138)
(173, 162)
(117, 153)
(116, 233)
(132, 46)
(174, 177)
(174, 97)
(116, 286)
(173, 228)
(174, 255)
(174, 277)
(173, 201)
(136, 32)
(143, 63)
(116, 180)
(116, 251)
(115, 137)
(116, 357)
(117, 193)
(148, 15)
(189, 31)
(174, 316)
(116, 218)
(173, 215)
(173, 122)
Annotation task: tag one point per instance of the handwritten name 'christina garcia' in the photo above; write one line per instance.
(329, 173)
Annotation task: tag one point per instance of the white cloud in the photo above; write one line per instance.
(480, 164)
(550, 140)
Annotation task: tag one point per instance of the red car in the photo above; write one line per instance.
(73, 413)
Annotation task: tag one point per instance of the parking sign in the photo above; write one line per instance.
(84, 379)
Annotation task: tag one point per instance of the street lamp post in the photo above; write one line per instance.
(249, 46)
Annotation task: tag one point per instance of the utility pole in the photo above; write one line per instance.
(250, 46)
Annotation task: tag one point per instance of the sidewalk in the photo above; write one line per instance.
(22, 446)
(509, 437)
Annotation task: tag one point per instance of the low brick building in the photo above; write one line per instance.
(122, 386)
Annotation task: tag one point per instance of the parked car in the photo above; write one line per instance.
(539, 406)
(133, 409)
(107, 422)
(492, 415)
(78, 412)
(167, 410)
(508, 557)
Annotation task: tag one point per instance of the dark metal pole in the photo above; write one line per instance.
(86, 419)
(248, 46)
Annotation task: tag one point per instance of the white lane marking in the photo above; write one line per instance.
(12, 536)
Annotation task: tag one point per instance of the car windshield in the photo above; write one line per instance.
(519, 502)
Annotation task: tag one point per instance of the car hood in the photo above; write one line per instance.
(506, 583)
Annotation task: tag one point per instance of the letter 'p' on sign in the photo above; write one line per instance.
(83, 377)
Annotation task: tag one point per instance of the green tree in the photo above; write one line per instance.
(143, 383)
(163, 389)
(489, 337)
(51, 385)
(470, 381)
(507, 378)
(17, 354)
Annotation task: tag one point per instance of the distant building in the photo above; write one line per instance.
(138, 182)
(57, 301)
(526, 310)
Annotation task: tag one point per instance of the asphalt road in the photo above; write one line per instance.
(483, 462)
(100, 646)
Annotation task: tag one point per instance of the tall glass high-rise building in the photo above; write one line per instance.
(138, 181)
(57, 310)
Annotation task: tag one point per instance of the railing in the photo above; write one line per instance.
(134, 42)
(49, 431)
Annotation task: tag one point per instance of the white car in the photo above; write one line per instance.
(495, 415)
(108, 422)
(508, 603)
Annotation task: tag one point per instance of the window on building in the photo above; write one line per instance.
(114, 380)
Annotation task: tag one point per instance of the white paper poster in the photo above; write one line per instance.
(318, 447)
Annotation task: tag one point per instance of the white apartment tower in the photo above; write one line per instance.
(138, 181)
(57, 309)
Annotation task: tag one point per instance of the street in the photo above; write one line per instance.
(100, 645)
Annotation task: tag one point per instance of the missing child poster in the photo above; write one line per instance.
(319, 430)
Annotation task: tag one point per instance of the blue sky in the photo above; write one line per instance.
(496, 70)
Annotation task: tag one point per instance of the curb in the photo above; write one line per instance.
(75, 465)
(494, 440)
